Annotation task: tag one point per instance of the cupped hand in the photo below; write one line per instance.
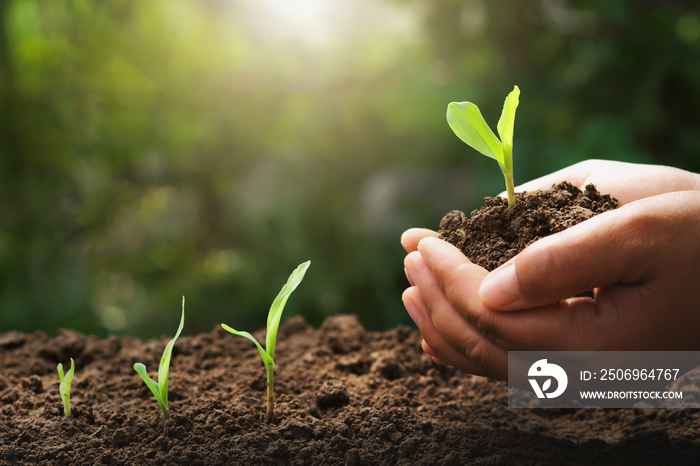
(642, 261)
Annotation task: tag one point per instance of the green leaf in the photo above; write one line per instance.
(64, 386)
(467, 123)
(267, 360)
(152, 384)
(160, 388)
(275, 313)
(505, 127)
(164, 367)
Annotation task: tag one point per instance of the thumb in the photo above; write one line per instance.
(615, 247)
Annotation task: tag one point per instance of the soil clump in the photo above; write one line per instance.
(496, 233)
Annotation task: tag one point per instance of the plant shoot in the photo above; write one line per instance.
(160, 388)
(64, 386)
(273, 322)
(467, 123)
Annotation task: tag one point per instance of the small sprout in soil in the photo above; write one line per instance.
(160, 388)
(273, 322)
(64, 386)
(467, 123)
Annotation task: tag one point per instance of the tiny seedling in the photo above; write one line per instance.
(467, 123)
(160, 388)
(64, 386)
(273, 322)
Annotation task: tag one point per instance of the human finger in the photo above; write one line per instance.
(450, 323)
(431, 353)
(440, 350)
(411, 237)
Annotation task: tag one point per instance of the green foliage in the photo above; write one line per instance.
(160, 388)
(467, 123)
(64, 386)
(273, 321)
(159, 148)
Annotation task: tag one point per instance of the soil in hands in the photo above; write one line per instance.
(344, 396)
(496, 233)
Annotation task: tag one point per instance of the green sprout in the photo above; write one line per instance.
(64, 386)
(273, 322)
(467, 123)
(160, 388)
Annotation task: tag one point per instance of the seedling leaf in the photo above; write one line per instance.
(275, 313)
(64, 386)
(150, 383)
(164, 366)
(505, 127)
(267, 360)
(467, 123)
(160, 388)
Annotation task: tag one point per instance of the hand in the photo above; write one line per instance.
(626, 181)
(643, 260)
(448, 334)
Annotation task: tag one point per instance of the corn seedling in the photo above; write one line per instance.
(160, 388)
(273, 322)
(467, 123)
(64, 386)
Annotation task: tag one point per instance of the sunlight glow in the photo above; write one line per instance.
(319, 23)
(311, 21)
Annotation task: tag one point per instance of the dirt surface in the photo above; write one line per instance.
(495, 233)
(344, 396)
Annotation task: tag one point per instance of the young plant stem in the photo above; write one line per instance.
(270, 392)
(510, 188)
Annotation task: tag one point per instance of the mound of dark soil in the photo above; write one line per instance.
(496, 233)
(344, 396)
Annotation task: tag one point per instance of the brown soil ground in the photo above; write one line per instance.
(495, 233)
(344, 396)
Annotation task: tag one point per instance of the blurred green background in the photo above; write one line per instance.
(154, 149)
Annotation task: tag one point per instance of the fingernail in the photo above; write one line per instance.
(412, 311)
(500, 288)
(410, 268)
(410, 280)
(424, 248)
